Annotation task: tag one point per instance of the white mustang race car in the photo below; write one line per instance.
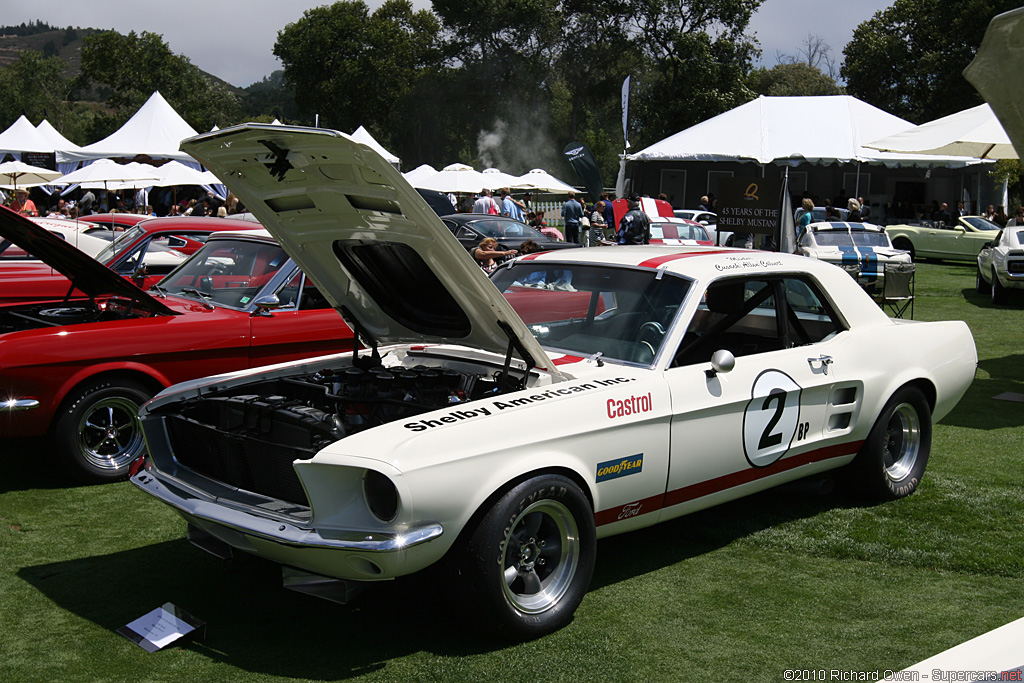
(608, 389)
(862, 246)
(1001, 264)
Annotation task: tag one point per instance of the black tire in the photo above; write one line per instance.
(1000, 295)
(97, 432)
(906, 245)
(528, 563)
(893, 458)
(980, 285)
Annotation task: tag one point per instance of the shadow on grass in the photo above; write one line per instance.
(979, 410)
(257, 626)
(27, 464)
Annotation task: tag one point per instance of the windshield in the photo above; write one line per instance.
(120, 243)
(513, 229)
(870, 239)
(833, 238)
(979, 223)
(584, 310)
(226, 272)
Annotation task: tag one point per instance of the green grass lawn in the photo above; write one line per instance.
(794, 578)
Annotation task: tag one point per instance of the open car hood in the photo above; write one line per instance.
(374, 247)
(997, 72)
(88, 275)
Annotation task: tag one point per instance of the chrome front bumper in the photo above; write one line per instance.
(17, 404)
(279, 532)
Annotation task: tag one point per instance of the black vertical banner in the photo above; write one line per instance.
(582, 161)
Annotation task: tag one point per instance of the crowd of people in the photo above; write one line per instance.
(84, 202)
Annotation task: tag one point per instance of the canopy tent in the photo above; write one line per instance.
(791, 131)
(974, 132)
(421, 172)
(363, 136)
(54, 137)
(106, 171)
(22, 136)
(156, 131)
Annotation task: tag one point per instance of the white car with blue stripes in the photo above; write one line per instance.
(862, 245)
(500, 427)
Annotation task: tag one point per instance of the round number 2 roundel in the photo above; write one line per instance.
(771, 417)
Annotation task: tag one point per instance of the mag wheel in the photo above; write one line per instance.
(529, 561)
(893, 458)
(98, 432)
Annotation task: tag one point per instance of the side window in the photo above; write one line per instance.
(465, 233)
(759, 315)
(302, 291)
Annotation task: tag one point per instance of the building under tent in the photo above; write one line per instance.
(821, 140)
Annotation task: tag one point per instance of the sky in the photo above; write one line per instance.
(234, 39)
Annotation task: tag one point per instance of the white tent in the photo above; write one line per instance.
(22, 136)
(156, 130)
(973, 132)
(363, 136)
(59, 142)
(419, 173)
(794, 130)
(108, 171)
(497, 180)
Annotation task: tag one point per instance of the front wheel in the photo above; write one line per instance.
(529, 561)
(893, 458)
(97, 431)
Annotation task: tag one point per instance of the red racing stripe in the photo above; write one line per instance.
(727, 481)
(668, 258)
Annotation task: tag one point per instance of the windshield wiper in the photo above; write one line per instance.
(161, 292)
(202, 296)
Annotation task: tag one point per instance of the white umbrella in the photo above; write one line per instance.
(106, 171)
(420, 173)
(15, 174)
(457, 178)
(974, 132)
(177, 173)
(539, 179)
(497, 180)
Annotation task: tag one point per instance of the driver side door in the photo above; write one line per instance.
(780, 413)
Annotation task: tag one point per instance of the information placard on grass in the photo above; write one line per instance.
(157, 629)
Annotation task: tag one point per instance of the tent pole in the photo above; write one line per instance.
(856, 190)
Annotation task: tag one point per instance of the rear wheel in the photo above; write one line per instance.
(906, 245)
(999, 293)
(530, 559)
(893, 458)
(98, 432)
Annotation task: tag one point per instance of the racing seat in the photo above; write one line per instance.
(898, 289)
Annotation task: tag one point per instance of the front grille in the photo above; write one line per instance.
(241, 461)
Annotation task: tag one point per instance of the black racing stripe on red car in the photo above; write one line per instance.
(727, 481)
(668, 258)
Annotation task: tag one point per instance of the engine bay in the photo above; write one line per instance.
(56, 314)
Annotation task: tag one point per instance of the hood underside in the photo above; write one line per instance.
(377, 251)
(88, 275)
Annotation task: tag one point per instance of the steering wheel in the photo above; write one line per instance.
(650, 333)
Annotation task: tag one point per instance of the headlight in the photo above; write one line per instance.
(380, 495)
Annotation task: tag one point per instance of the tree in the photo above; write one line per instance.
(909, 59)
(792, 79)
(355, 68)
(135, 66)
(33, 85)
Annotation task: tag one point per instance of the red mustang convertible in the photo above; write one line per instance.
(77, 368)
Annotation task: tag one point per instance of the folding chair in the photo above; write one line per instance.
(898, 288)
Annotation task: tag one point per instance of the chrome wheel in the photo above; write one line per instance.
(109, 436)
(540, 556)
(902, 442)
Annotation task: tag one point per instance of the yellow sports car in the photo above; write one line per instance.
(958, 241)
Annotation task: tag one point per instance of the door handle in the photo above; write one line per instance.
(824, 360)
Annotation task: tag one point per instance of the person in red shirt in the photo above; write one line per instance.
(23, 205)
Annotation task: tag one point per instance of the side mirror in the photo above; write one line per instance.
(721, 361)
(265, 305)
